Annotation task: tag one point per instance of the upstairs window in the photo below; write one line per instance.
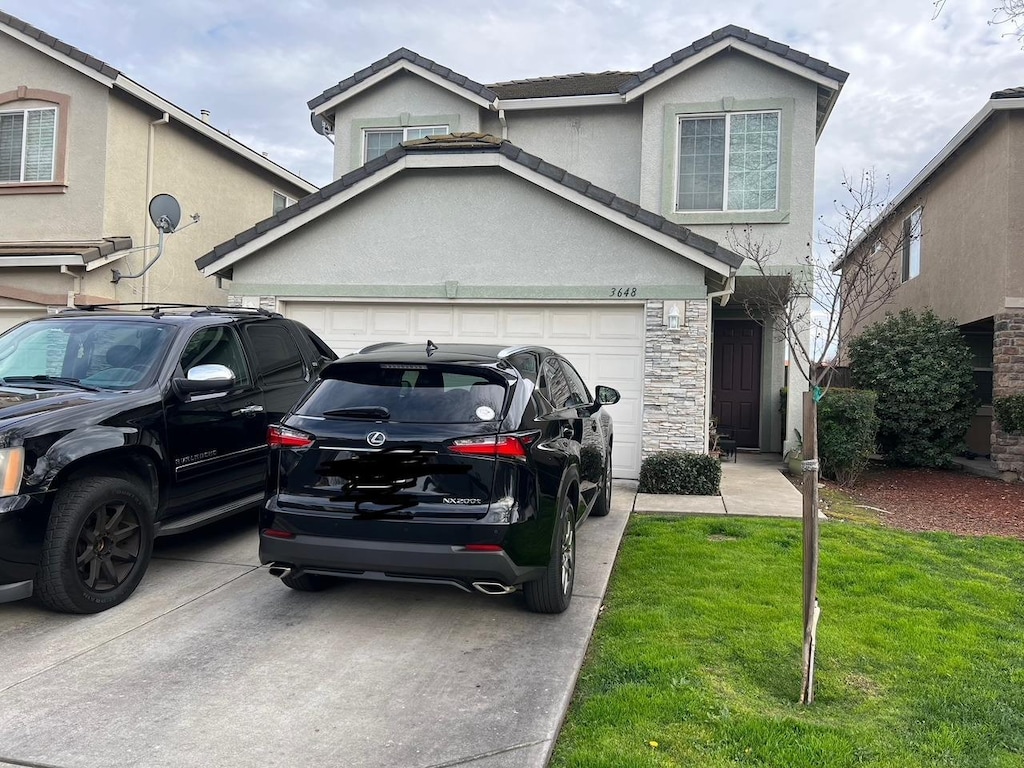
(377, 141)
(728, 162)
(912, 245)
(281, 201)
(28, 141)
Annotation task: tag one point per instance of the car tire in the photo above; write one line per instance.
(97, 546)
(307, 582)
(603, 505)
(552, 592)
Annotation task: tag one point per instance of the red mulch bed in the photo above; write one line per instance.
(943, 500)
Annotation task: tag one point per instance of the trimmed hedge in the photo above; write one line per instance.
(847, 428)
(1010, 412)
(922, 370)
(679, 472)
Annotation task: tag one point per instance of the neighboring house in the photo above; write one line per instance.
(83, 148)
(962, 232)
(588, 212)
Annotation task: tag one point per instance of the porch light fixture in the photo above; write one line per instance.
(673, 318)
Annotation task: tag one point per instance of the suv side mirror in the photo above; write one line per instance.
(203, 379)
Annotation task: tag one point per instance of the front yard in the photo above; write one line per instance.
(696, 658)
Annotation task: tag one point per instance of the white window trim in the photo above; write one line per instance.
(288, 200)
(912, 232)
(441, 130)
(725, 186)
(24, 143)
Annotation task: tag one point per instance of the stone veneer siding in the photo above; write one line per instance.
(675, 378)
(1008, 379)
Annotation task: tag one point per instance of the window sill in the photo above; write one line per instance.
(34, 188)
(728, 217)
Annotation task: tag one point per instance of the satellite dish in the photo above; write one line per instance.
(165, 213)
(320, 124)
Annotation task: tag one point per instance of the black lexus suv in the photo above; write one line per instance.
(116, 427)
(457, 464)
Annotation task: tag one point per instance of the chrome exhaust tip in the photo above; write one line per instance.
(280, 569)
(493, 588)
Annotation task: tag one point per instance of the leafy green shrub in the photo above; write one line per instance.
(680, 472)
(847, 428)
(1010, 412)
(921, 368)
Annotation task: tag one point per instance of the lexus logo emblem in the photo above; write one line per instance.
(376, 439)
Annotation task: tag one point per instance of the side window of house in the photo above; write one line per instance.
(728, 162)
(554, 385)
(912, 245)
(580, 393)
(281, 201)
(377, 141)
(218, 345)
(278, 358)
(32, 137)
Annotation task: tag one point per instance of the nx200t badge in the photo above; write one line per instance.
(376, 439)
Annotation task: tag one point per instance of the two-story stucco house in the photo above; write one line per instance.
(83, 148)
(587, 212)
(962, 234)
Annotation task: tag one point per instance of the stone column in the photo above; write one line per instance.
(1008, 379)
(675, 375)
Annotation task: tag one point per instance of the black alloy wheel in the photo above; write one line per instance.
(97, 546)
(553, 591)
(603, 504)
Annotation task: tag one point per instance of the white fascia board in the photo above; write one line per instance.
(191, 121)
(408, 66)
(53, 260)
(53, 53)
(740, 45)
(562, 102)
(468, 160)
(965, 133)
(110, 258)
(602, 210)
(271, 235)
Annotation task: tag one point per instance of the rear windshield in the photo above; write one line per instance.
(407, 393)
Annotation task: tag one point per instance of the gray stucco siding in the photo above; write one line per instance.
(474, 227)
(729, 81)
(403, 99)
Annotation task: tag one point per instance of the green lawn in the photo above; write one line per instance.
(696, 658)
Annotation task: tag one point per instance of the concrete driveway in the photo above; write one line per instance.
(214, 663)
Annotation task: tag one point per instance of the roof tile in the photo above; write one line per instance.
(595, 192)
(551, 171)
(624, 206)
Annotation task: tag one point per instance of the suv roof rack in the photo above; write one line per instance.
(159, 310)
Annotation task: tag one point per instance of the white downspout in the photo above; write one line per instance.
(164, 120)
(504, 123)
(730, 287)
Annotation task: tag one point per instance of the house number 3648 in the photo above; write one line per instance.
(623, 293)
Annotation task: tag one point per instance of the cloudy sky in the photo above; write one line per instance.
(914, 79)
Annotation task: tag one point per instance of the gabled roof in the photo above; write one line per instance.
(500, 152)
(114, 78)
(1009, 93)
(401, 59)
(606, 87)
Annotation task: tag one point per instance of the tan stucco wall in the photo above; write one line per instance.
(969, 229)
(76, 214)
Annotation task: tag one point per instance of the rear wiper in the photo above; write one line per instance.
(43, 379)
(359, 412)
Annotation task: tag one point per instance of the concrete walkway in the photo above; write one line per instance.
(753, 486)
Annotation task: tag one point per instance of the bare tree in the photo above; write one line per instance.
(1008, 12)
(813, 306)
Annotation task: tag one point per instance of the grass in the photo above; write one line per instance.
(696, 658)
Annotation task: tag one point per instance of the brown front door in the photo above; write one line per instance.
(736, 380)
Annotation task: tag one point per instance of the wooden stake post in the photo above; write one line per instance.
(810, 549)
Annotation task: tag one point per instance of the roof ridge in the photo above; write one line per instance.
(545, 78)
(59, 45)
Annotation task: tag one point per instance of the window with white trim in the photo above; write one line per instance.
(912, 245)
(377, 141)
(281, 200)
(28, 141)
(728, 162)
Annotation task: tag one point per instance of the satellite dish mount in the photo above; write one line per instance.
(165, 213)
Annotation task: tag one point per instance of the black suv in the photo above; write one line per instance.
(465, 465)
(116, 427)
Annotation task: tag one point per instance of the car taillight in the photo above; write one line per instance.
(285, 437)
(504, 446)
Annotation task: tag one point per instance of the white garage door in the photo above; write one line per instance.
(605, 343)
